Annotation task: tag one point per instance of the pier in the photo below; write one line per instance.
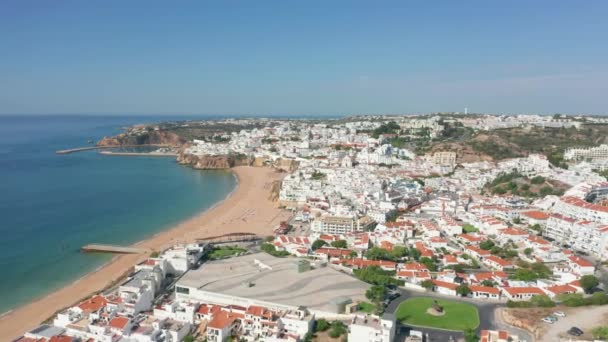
(79, 149)
(141, 154)
(98, 248)
(90, 148)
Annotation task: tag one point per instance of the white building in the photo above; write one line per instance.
(372, 329)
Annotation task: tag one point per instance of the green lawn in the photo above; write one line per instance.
(223, 252)
(367, 307)
(458, 316)
(469, 228)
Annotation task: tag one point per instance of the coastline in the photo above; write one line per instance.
(246, 209)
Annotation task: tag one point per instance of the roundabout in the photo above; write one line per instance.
(438, 313)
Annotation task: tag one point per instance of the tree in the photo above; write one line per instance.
(377, 253)
(528, 251)
(414, 253)
(427, 284)
(376, 293)
(339, 244)
(537, 180)
(486, 245)
(398, 252)
(600, 333)
(488, 283)
(429, 263)
(546, 190)
(337, 329)
(321, 325)
(189, 338)
(542, 301)
(463, 290)
(589, 282)
(318, 244)
(470, 335)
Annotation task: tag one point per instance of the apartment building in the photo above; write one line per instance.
(597, 152)
(340, 224)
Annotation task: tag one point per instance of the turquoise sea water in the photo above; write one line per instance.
(51, 205)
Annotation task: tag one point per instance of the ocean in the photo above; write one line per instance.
(51, 205)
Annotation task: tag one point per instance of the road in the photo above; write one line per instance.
(487, 317)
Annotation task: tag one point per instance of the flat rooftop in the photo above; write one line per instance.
(280, 283)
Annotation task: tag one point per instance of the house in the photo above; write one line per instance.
(496, 276)
(223, 325)
(521, 293)
(449, 259)
(553, 291)
(372, 328)
(485, 292)
(533, 217)
(580, 266)
(476, 252)
(362, 263)
(333, 253)
(497, 336)
(497, 263)
(444, 287)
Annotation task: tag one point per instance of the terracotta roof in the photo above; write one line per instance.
(499, 261)
(334, 252)
(93, 304)
(445, 284)
(61, 338)
(523, 290)
(537, 215)
(119, 322)
(580, 261)
(223, 319)
(484, 289)
(558, 289)
(415, 266)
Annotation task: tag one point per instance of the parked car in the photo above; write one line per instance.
(549, 320)
(574, 331)
(559, 314)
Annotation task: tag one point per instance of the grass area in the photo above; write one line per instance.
(367, 307)
(224, 252)
(469, 228)
(458, 316)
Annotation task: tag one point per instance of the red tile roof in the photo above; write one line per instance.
(93, 304)
(484, 289)
(523, 290)
(535, 214)
(119, 322)
(580, 261)
(445, 284)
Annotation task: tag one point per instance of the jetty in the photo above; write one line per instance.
(90, 148)
(141, 154)
(79, 149)
(99, 248)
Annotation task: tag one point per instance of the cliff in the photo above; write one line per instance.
(207, 162)
(154, 137)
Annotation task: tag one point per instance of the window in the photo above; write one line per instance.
(183, 290)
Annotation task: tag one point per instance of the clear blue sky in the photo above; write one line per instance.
(303, 57)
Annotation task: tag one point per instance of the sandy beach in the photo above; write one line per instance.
(247, 209)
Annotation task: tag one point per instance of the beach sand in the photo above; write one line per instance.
(247, 209)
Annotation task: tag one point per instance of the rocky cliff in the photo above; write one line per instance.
(207, 162)
(154, 137)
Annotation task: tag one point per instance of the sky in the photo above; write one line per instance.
(303, 57)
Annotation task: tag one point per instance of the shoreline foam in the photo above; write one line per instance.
(250, 196)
